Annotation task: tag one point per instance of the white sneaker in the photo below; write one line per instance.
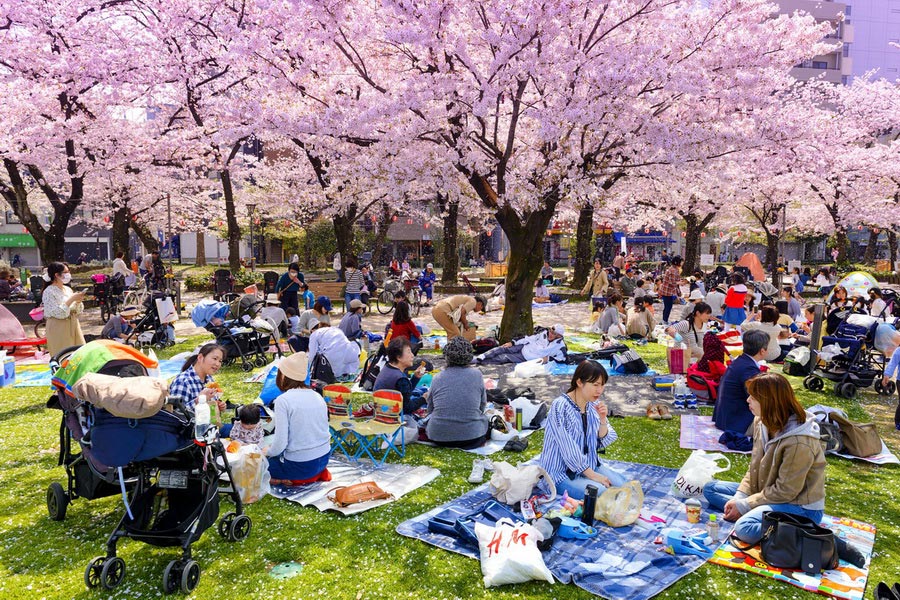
(488, 464)
(477, 474)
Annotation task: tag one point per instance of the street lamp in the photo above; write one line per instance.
(250, 209)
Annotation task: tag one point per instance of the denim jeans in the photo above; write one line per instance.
(348, 298)
(748, 528)
(668, 301)
(575, 487)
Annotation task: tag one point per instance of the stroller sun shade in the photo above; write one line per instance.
(93, 357)
(207, 310)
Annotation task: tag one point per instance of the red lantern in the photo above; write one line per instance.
(374, 218)
(876, 231)
(684, 234)
(703, 234)
(106, 219)
(738, 234)
(426, 225)
(859, 227)
(24, 230)
(409, 221)
(221, 223)
(646, 230)
(490, 233)
(394, 218)
(256, 222)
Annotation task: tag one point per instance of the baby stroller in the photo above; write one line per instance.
(108, 291)
(150, 329)
(169, 482)
(766, 290)
(718, 276)
(236, 327)
(858, 365)
(223, 285)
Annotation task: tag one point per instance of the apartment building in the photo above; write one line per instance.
(877, 24)
(836, 66)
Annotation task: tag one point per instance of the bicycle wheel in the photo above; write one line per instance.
(40, 329)
(415, 302)
(132, 298)
(384, 302)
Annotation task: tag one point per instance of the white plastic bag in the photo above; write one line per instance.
(511, 485)
(529, 409)
(509, 553)
(530, 368)
(620, 506)
(165, 308)
(250, 473)
(697, 471)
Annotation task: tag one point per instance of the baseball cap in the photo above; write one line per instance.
(325, 301)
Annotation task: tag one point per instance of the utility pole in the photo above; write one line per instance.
(250, 209)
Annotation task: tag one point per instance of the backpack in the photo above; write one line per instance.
(482, 345)
(321, 369)
(371, 369)
(629, 362)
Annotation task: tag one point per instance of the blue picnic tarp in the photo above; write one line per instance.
(620, 562)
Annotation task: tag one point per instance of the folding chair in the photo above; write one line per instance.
(385, 429)
(337, 399)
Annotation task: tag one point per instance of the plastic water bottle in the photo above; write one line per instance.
(201, 418)
(712, 530)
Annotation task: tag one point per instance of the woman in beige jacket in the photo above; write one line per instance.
(597, 283)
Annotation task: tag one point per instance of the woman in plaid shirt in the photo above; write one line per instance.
(196, 373)
(668, 288)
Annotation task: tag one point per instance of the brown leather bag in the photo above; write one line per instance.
(358, 492)
(860, 439)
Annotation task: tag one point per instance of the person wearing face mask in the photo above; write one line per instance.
(288, 287)
(62, 306)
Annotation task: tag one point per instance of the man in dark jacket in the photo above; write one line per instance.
(732, 413)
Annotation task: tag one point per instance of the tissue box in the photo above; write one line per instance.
(9, 372)
(663, 382)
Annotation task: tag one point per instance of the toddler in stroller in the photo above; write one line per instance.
(238, 329)
(136, 441)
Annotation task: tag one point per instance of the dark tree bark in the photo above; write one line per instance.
(234, 230)
(450, 212)
(343, 231)
(145, 235)
(120, 229)
(842, 242)
(694, 226)
(892, 247)
(383, 224)
(871, 250)
(583, 233)
(771, 262)
(201, 249)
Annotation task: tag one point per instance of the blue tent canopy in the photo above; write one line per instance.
(654, 237)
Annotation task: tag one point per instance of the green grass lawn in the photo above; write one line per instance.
(361, 556)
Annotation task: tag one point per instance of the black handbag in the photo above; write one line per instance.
(795, 542)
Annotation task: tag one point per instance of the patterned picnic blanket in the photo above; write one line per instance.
(698, 432)
(556, 368)
(846, 581)
(619, 563)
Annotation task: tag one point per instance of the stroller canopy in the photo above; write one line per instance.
(857, 283)
(10, 328)
(751, 261)
(207, 310)
(94, 356)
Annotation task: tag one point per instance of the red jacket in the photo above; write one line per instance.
(407, 330)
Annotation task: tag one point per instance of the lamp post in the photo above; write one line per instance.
(250, 209)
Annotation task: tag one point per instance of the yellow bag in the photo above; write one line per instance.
(620, 506)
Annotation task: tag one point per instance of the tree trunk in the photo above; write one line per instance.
(234, 230)
(120, 228)
(892, 248)
(145, 235)
(583, 234)
(383, 224)
(872, 249)
(842, 243)
(343, 231)
(526, 256)
(450, 272)
(201, 249)
(772, 257)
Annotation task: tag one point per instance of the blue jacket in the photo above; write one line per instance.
(732, 413)
(426, 279)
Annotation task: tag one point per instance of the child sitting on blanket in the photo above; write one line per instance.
(577, 426)
(249, 430)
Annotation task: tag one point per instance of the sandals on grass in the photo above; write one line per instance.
(658, 412)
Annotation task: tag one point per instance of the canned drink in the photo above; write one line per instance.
(693, 508)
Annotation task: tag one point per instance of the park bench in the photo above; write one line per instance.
(332, 289)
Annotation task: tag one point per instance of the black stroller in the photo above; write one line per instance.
(169, 482)
(718, 276)
(270, 282)
(244, 335)
(150, 330)
(223, 285)
(858, 365)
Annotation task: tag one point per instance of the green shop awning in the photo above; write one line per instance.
(16, 240)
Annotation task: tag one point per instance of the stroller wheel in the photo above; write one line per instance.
(113, 572)
(848, 391)
(890, 388)
(260, 361)
(225, 525)
(814, 383)
(92, 572)
(57, 502)
(172, 577)
(247, 366)
(190, 576)
(240, 528)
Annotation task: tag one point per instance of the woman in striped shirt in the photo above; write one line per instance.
(356, 282)
(576, 428)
